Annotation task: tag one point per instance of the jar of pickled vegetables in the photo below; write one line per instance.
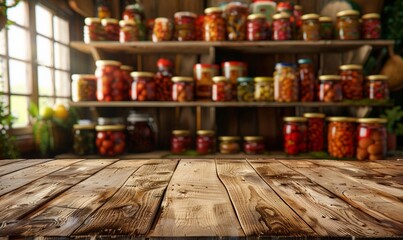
(128, 31)
(205, 142)
(286, 87)
(253, 145)
(110, 83)
(230, 144)
(310, 27)
(236, 14)
(264, 89)
(111, 27)
(84, 138)
(316, 131)
(141, 133)
(307, 79)
(162, 30)
(163, 80)
(83, 87)
(377, 87)
(341, 137)
(93, 30)
(143, 87)
(185, 26)
(204, 73)
(246, 89)
(352, 81)
(222, 90)
(326, 28)
(127, 81)
(256, 27)
(371, 26)
(348, 25)
(180, 141)
(295, 133)
(281, 28)
(214, 24)
(371, 138)
(135, 12)
(111, 139)
(330, 89)
(233, 70)
(182, 89)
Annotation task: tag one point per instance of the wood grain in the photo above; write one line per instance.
(8, 161)
(12, 166)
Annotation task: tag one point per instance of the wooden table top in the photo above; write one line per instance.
(201, 198)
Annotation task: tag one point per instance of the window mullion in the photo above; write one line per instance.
(53, 59)
(34, 55)
(7, 82)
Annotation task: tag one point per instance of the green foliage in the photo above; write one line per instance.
(7, 142)
(394, 116)
(392, 23)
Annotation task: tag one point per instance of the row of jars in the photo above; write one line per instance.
(347, 137)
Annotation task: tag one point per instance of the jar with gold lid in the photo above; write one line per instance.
(315, 131)
(214, 24)
(222, 89)
(205, 142)
(330, 89)
(182, 89)
(180, 141)
(111, 139)
(348, 25)
(264, 89)
(352, 81)
(371, 138)
(253, 145)
(294, 132)
(230, 144)
(371, 26)
(325, 28)
(310, 27)
(341, 137)
(84, 138)
(281, 28)
(377, 87)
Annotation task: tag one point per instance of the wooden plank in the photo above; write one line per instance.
(259, 209)
(64, 214)
(132, 209)
(380, 167)
(196, 204)
(327, 214)
(8, 161)
(12, 166)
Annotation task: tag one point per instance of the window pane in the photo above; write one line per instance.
(19, 77)
(18, 40)
(43, 21)
(19, 109)
(61, 30)
(62, 84)
(3, 42)
(64, 101)
(45, 102)
(44, 51)
(18, 14)
(45, 83)
(62, 57)
(3, 75)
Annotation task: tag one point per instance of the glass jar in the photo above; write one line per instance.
(200, 28)
(298, 12)
(103, 9)
(348, 25)
(110, 83)
(162, 30)
(352, 81)
(295, 133)
(310, 27)
(127, 81)
(246, 89)
(371, 26)
(83, 87)
(182, 89)
(180, 141)
(316, 131)
(185, 26)
(256, 27)
(163, 80)
(268, 8)
(135, 12)
(214, 25)
(330, 89)
(377, 87)
(93, 30)
(128, 31)
(286, 87)
(84, 138)
(143, 86)
(149, 29)
(141, 133)
(102, 121)
(204, 73)
(281, 29)
(233, 70)
(205, 142)
(264, 89)
(341, 137)
(236, 14)
(371, 138)
(111, 139)
(253, 145)
(326, 28)
(221, 91)
(307, 80)
(111, 27)
(230, 144)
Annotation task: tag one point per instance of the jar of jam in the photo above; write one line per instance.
(236, 15)
(295, 135)
(141, 133)
(205, 142)
(233, 70)
(180, 141)
(83, 87)
(135, 12)
(371, 138)
(84, 138)
(246, 89)
(281, 29)
(352, 81)
(163, 80)
(185, 26)
(253, 145)
(326, 28)
(111, 27)
(377, 87)
(214, 25)
(264, 89)
(143, 87)
(222, 90)
(307, 80)
(230, 144)
(182, 89)
(128, 31)
(256, 27)
(341, 137)
(310, 27)
(162, 30)
(111, 139)
(286, 87)
(348, 25)
(204, 73)
(371, 26)
(316, 131)
(330, 89)
(93, 30)
(149, 29)
(110, 83)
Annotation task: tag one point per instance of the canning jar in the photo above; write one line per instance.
(236, 14)
(233, 70)
(307, 80)
(93, 30)
(185, 26)
(143, 87)
(111, 139)
(371, 138)
(330, 89)
(246, 90)
(377, 87)
(256, 27)
(268, 8)
(253, 145)
(281, 29)
(347, 25)
(180, 141)
(102, 121)
(162, 30)
(135, 12)
(295, 133)
(129, 31)
(103, 9)
(286, 87)
(310, 27)
(264, 89)
(316, 131)
(371, 26)
(352, 81)
(200, 27)
(149, 29)
(163, 80)
(110, 83)
(326, 28)
(182, 89)
(127, 81)
(341, 137)
(83, 87)
(230, 144)
(204, 73)
(141, 133)
(222, 90)
(214, 24)
(205, 142)
(111, 27)
(84, 138)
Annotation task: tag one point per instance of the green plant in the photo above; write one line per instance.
(7, 142)
(394, 116)
(4, 6)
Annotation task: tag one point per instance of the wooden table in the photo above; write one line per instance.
(201, 198)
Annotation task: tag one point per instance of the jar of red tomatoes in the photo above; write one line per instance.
(341, 137)
(307, 80)
(377, 87)
(135, 12)
(127, 81)
(230, 144)
(185, 26)
(371, 26)
(326, 28)
(256, 27)
(348, 25)
(93, 30)
(281, 28)
(236, 14)
(111, 139)
(83, 87)
(129, 31)
(330, 89)
(371, 138)
(204, 73)
(253, 145)
(111, 27)
(295, 133)
(143, 87)
(141, 133)
(233, 70)
(310, 27)
(286, 85)
(316, 131)
(352, 81)
(180, 141)
(214, 24)
(205, 142)
(110, 83)
(162, 30)
(182, 89)
(222, 90)
(163, 80)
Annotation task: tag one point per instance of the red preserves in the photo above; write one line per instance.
(182, 89)
(185, 26)
(372, 138)
(222, 90)
(129, 31)
(180, 141)
(205, 142)
(256, 27)
(281, 29)
(127, 81)
(330, 89)
(163, 80)
(295, 133)
(253, 145)
(307, 80)
(352, 80)
(371, 26)
(141, 133)
(377, 87)
(111, 27)
(143, 87)
(214, 24)
(316, 131)
(111, 139)
(110, 84)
